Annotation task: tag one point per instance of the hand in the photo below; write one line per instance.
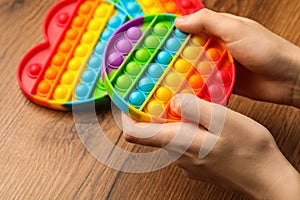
(268, 66)
(240, 154)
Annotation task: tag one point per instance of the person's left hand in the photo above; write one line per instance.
(222, 147)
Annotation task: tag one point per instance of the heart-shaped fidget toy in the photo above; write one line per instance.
(65, 69)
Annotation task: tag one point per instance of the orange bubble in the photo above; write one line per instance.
(196, 81)
(71, 34)
(44, 87)
(65, 47)
(205, 68)
(51, 73)
(213, 54)
(171, 7)
(85, 9)
(78, 21)
(58, 60)
(164, 94)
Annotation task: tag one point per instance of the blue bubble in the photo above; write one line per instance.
(114, 22)
(146, 84)
(173, 44)
(106, 34)
(164, 57)
(180, 34)
(155, 70)
(82, 90)
(95, 62)
(88, 76)
(136, 98)
(99, 49)
(132, 7)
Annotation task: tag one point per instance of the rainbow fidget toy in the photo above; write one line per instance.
(76, 32)
(65, 69)
(137, 8)
(147, 61)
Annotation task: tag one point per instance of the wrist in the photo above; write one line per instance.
(292, 56)
(275, 178)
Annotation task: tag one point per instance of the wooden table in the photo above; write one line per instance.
(42, 156)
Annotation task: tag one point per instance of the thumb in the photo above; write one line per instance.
(205, 20)
(191, 108)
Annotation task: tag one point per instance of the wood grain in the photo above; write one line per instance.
(42, 156)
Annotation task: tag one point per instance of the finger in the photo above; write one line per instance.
(149, 134)
(205, 20)
(177, 136)
(191, 108)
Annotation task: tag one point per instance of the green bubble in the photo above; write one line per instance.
(151, 42)
(123, 82)
(133, 68)
(161, 29)
(142, 55)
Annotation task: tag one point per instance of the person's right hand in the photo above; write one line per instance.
(268, 66)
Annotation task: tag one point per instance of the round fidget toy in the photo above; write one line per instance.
(65, 69)
(148, 61)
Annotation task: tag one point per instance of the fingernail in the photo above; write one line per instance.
(181, 19)
(175, 105)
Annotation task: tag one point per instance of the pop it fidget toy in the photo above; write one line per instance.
(147, 61)
(65, 69)
(137, 8)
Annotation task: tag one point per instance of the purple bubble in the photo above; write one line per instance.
(124, 46)
(134, 33)
(115, 59)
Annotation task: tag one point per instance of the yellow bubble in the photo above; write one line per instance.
(74, 65)
(155, 107)
(81, 51)
(173, 79)
(191, 52)
(94, 25)
(147, 3)
(199, 40)
(60, 92)
(163, 94)
(88, 38)
(182, 66)
(101, 11)
(67, 78)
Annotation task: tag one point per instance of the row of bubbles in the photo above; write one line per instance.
(90, 85)
(62, 68)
